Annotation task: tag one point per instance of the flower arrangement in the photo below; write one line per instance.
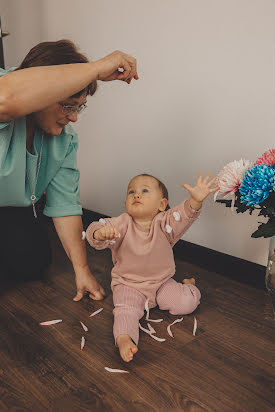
(248, 186)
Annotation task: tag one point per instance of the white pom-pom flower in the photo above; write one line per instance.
(176, 216)
(230, 177)
(168, 229)
(103, 221)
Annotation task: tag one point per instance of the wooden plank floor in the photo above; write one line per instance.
(227, 367)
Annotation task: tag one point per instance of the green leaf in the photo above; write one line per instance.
(265, 229)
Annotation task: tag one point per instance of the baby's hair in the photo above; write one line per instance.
(162, 187)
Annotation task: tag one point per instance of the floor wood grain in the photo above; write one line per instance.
(227, 367)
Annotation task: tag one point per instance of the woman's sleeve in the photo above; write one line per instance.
(62, 193)
(3, 125)
(177, 221)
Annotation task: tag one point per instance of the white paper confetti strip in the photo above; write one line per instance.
(176, 216)
(150, 334)
(195, 326)
(155, 320)
(83, 235)
(84, 326)
(171, 324)
(96, 312)
(168, 229)
(147, 313)
(82, 344)
(115, 370)
(50, 322)
(151, 329)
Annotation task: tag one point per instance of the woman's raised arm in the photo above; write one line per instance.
(34, 88)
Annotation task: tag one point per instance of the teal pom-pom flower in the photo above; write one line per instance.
(257, 184)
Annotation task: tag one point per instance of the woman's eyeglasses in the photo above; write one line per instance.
(66, 109)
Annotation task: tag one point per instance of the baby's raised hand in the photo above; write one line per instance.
(106, 233)
(201, 190)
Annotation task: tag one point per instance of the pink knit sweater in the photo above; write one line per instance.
(143, 259)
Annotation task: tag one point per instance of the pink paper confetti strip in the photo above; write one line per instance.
(195, 326)
(147, 313)
(96, 312)
(82, 343)
(150, 334)
(171, 324)
(84, 326)
(115, 370)
(50, 322)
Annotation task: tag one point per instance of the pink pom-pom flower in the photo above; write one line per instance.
(230, 178)
(268, 158)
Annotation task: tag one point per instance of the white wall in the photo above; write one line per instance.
(22, 19)
(206, 96)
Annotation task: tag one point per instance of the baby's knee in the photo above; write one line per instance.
(182, 299)
(188, 301)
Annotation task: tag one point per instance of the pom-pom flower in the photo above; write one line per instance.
(257, 184)
(268, 158)
(230, 178)
(251, 187)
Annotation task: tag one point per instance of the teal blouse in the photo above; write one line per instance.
(58, 174)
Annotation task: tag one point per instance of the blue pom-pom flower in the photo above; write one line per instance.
(257, 184)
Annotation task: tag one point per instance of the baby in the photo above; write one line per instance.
(141, 242)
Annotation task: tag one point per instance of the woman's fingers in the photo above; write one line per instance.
(133, 68)
(102, 291)
(79, 295)
(126, 71)
(117, 66)
(96, 295)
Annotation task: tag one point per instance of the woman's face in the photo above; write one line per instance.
(52, 119)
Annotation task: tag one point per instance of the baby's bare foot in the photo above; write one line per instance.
(192, 281)
(127, 348)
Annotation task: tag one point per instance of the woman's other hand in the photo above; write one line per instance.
(86, 283)
(117, 66)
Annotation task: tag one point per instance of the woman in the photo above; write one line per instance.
(38, 149)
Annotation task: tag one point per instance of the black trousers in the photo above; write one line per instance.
(25, 252)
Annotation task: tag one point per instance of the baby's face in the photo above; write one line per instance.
(144, 198)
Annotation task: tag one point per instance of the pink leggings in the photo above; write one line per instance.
(178, 298)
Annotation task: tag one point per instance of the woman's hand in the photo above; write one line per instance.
(108, 67)
(86, 283)
(200, 191)
(106, 233)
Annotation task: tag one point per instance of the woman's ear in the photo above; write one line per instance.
(163, 204)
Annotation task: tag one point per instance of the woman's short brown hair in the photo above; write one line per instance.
(51, 53)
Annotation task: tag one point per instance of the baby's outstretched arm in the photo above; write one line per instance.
(200, 191)
(106, 233)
